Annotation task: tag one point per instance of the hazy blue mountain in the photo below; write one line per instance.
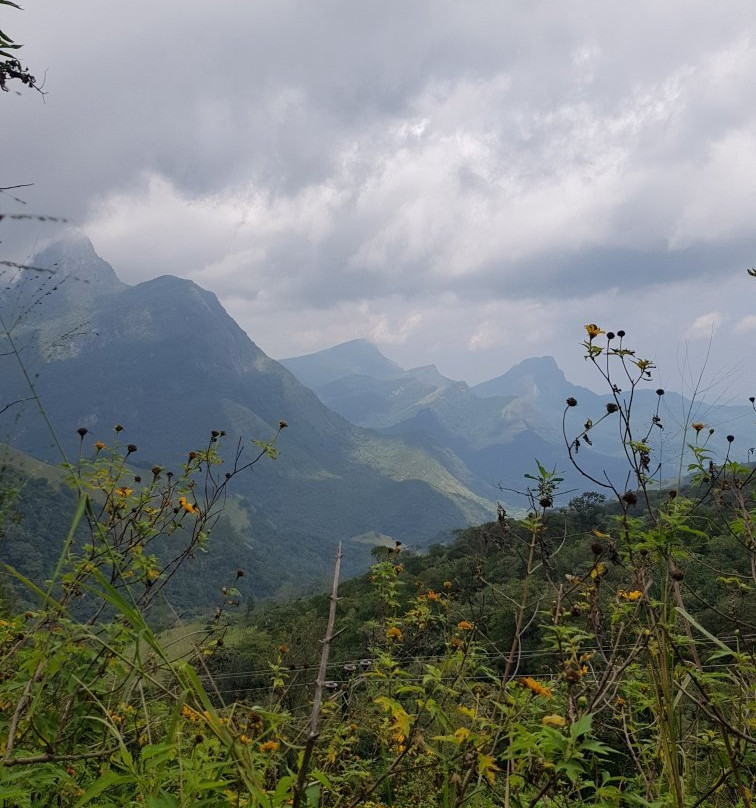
(491, 434)
(486, 438)
(358, 356)
(164, 359)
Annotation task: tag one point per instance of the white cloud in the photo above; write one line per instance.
(479, 179)
(746, 324)
(704, 326)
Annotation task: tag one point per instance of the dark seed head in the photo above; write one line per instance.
(677, 574)
(545, 502)
(672, 493)
(609, 336)
(620, 333)
(730, 438)
(82, 430)
(156, 470)
(660, 392)
(214, 433)
(571, 402)
(630, 498)
(611, 407)
(239, 573)
(137, 479)
(118, 428)
(597, 547)
(131, 448)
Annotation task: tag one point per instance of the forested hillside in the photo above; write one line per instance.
(599, 653)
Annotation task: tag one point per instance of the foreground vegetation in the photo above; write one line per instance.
(600, 654)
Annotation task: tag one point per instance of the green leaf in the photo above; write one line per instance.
(161, 801)
(582, 726)
(693, 622)
(107, 781)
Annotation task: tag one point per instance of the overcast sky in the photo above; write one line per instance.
(465, 183)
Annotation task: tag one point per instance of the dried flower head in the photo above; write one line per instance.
(536, 687)
(269, 746)
(571, 402)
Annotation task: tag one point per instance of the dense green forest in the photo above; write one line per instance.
(600, 653)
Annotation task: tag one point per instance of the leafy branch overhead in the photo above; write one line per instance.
(11, 68)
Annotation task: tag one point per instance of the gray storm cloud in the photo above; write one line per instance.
(349, 169)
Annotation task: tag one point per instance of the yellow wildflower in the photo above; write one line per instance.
(269, 746)
(99, 445)
(536, 687)
(465, 625)
(593, 330)
(394, 633)
(447, 584)
(245, 739)
(187, 506)
(698, 426)
(633, 595)
(433, 595)
(554, 721)
(124, 492)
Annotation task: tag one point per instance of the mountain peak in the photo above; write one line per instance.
(540, 367)
(531, 377)
(73, 256)
(355, 357)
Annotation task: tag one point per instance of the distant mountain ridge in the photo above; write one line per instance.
(165, 359)
(496, 429)
(355, 357)
(372, 449)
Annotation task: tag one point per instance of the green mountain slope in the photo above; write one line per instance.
(164, 359)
